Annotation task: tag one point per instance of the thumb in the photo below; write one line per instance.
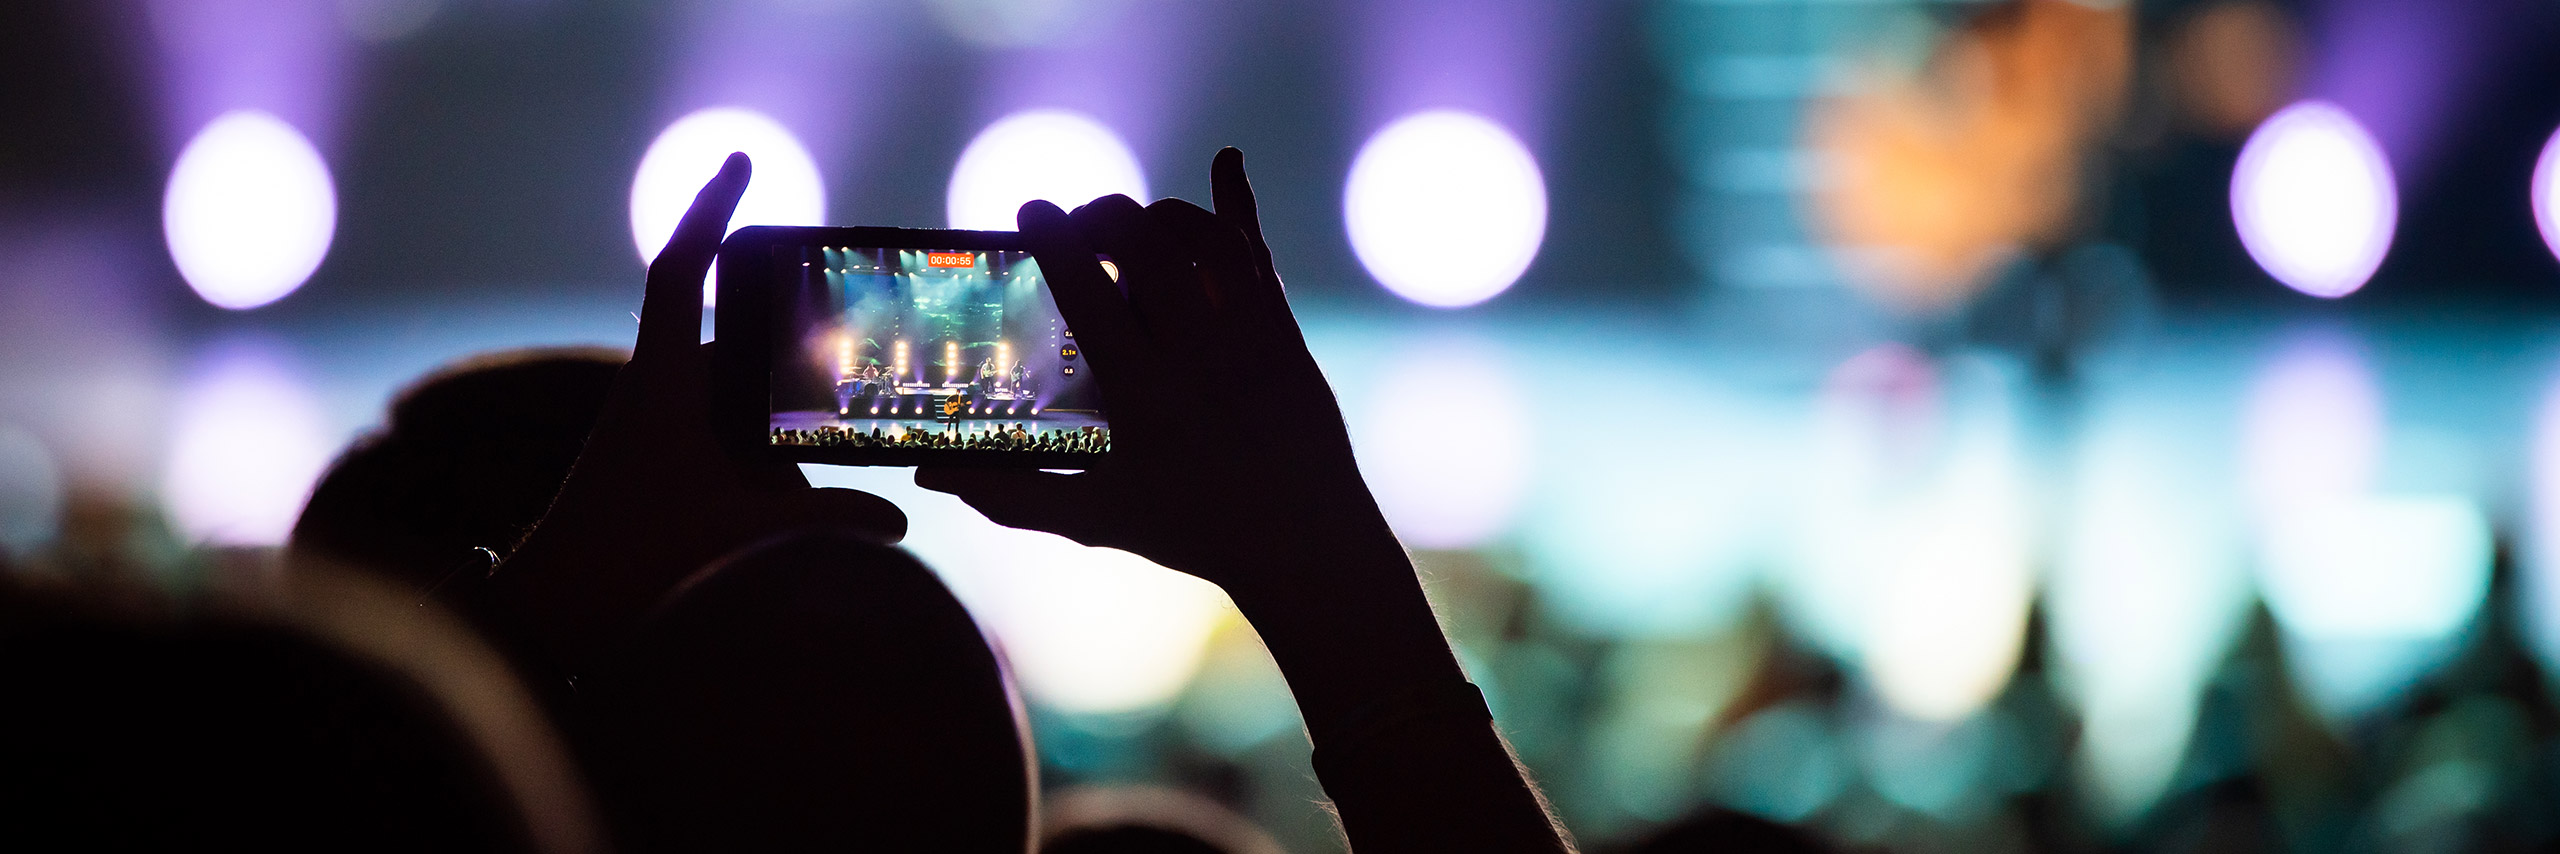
(1067, 505)
(833, 507)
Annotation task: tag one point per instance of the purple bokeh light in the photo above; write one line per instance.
(2409, 70)
(2546, 193)
(2315, 199)
(1128, 65)
(813, 67)
(1494, 58)
(286, 57)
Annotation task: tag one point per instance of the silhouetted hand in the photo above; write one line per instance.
(1229, 461)
(1227, 447)
(1229, 457)
(653, 497)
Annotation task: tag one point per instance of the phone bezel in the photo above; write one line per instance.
(741, 362)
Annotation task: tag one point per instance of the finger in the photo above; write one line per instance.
(1061, 504)
(1087, 300)
(1163, 284)
(671, 309)
(1225, 258)
(1264, 338)
(1232, 193)
(836, 507)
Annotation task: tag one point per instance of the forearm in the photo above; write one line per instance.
(1403, 744)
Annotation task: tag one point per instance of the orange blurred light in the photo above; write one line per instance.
(2231, 66)
(1940, 176)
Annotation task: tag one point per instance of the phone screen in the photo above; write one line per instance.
(928, 350)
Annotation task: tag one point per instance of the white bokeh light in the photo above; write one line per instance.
(2149, 591)
(1627, 541)
(1065, 157)
(2314, 199)
(250, 210)
(1445, 208)
(1916, 541)
(2311, 429)
(1445, 445)
(1085, 630)
(2546, 193)
(1872, 423)
(2371, 589)
(1953, 577)
(249, 442)
(2373, 593)
(786, 188)
(2371, 567)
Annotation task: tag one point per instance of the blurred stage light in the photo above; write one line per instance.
(1085, 630)
(1783, 763)
(1445, 208)
(1915, 554)
(2231, 63)
(785, 190)
(248, 443)
(2546, 193)
(2311, 428)
(2369, 589)
(1948, 770)
(2148, 595)
(2375, 566)
(1876, 418)
(1631, 540)
(1101, 631)
(2314, 200)
(2540, 587)
(2373, 593)
(1240, 700)
(1954, 579)
(1650, 693)
(31, 492)
(1066, 157)
(250, 210)
(1446, 444)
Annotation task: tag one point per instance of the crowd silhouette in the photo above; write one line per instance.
(999, 437)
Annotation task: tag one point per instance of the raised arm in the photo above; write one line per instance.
(1230, 461)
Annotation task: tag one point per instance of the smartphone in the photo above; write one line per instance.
(898, 347)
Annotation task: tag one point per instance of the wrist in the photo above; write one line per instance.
(1347, 630)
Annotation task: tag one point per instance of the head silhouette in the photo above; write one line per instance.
(468, 457)
(140, 724)
(818, 691)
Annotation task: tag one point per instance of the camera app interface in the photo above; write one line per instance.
(920, 349)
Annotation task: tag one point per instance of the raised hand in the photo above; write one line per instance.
(1229, 461)
(653, 497)
(1228, 448)
(1229, 457)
